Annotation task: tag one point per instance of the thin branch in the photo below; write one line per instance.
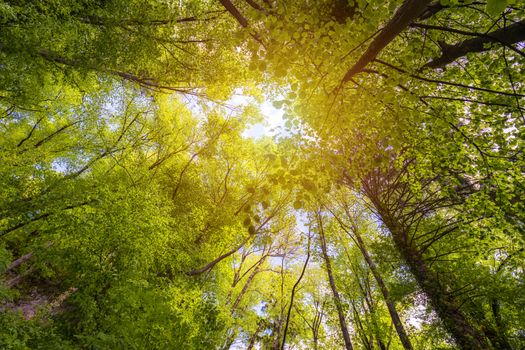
(30, 133)
(436, 81)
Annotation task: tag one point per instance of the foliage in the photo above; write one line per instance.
(386, 212)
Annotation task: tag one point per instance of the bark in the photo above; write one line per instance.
(240, 18)
(406, 14)
(497, 339)
(254, 5)
(360, 329)
(370, 309)
(509, 35)
(19, 261)
(253, 338)
(276, 333)
(24, 258)
(431, 10)
(55, 133)
(234, 12)
(465, 334)
(294, 288)
(500, 326)
(230, 338)
(333, 287)
(248, 283)
(436, 6)
(400, 329)
(214, 262)
(16, 279)
(394, 203)
(101, 21)
(30, 133)
(41, 217)
(236, 277)
(316, 324)
(470, 100)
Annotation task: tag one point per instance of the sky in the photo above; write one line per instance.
(272, 125)
(273, 120)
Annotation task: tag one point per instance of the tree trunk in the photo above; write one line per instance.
(464, 333)
(253, 338)
(292, 296)
(337, 298)
(248, 283)
(229, 340)
(400, 329)
(500, 326)
(276, 343)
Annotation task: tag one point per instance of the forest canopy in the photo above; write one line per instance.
(142, 207)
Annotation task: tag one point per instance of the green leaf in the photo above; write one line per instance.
(309, 185)
(495, 7)
(298, 205)
(278, 104)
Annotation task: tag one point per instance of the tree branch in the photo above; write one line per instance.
(214, 262)
(240, 18)
(512, 34)
(234, 12)
(254, 5)
(407, 13)
(145, 82)
(436, 81)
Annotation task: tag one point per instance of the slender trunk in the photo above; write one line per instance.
(276, 344)
(372, 307)
(495, 306)
(400, 329)
(229, 340)
(292, 296)
(253, 338)
(360, 329)
(248, 283)
(315, 327)
(337, 298)
(496, 337)
(381, 344)
(19, 261)
(211, 264)
(236, 278)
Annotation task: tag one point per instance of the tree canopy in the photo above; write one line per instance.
(140, 210)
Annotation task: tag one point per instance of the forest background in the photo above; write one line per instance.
(385, 210)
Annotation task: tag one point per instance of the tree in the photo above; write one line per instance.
(386, 213)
